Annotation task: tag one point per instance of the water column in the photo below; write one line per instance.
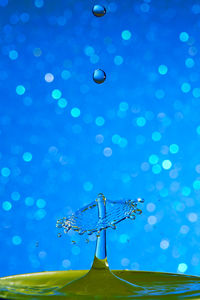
(101, 237)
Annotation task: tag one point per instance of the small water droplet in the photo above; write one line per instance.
(73, 242)
(59, 235)
(36, 244)
(98, 10)
(138, 211)
(98, 234)
(89, 232)
(113, 226)
(87, 241)
(140, 200)
(99, 76)
(59, 225)
(81, 232)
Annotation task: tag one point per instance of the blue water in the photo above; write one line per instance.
(64, 138)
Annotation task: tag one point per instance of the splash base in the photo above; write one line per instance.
(45, 285)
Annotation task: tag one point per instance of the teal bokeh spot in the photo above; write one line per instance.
(124, 238)
(16, 240)
(156, 136)
(141, 121)
(27, 156)
(123, 142)
(20, 90)
(182, 267)
(76, 250)
(89, 51)
(153, 159)
(145, 7)
(5, 172)
(162, 69)
(173, 148)
(94, 58)
(6, 205)
(40, 214)
(186, 191)
(196, 92)
(15, 196)
(62, 102)
(126, 35)
(166, 164)
(56, 94)
(24, 17)
(99, 121)
(156, 169)
(198, 129)
(116, 139)
(123, 106)
(65, 74)
(41, 203)
(196, 184)
(160, 94)
(13, 54)
(189, 62)
(39, 3)
(118, 60)
(75, 112)
(184, 36)
(185, 87)
(29, 201)
(88, 186)
(164, 192)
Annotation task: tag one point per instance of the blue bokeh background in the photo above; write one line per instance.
(65, 138)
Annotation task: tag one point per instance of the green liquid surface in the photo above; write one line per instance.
(57, 285)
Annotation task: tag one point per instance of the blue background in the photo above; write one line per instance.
(65, 138)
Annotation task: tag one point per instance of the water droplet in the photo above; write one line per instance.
(89, 232)
(140, 200)
(73, 242)
(138, 211)
(59, 225)
(36, 244)
(87, 241)
(98, 10)
(59, 235)
(99, 76)
(113, 226)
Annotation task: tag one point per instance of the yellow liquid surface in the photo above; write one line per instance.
(100, 283)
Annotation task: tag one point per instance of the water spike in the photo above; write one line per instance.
(101, 238)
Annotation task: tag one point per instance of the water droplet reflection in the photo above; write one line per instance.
(99, 10)
(99, 76)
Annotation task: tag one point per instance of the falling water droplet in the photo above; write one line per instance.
(99, 76)
(99, 10)
(59, 235)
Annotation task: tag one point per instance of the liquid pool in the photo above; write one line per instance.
(55, 285)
